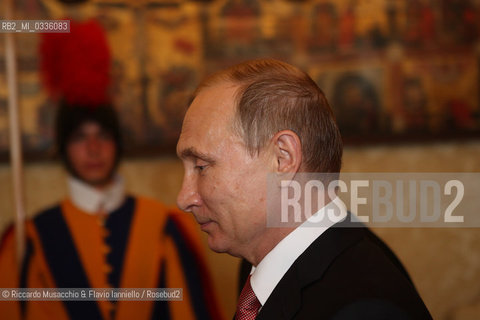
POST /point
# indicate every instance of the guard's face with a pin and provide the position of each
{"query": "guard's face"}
(91, 152)
(223, 186)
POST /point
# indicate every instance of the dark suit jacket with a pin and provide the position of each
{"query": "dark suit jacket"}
(346, 273)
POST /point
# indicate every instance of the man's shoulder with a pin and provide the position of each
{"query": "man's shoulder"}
(360, 241)
(354, 244)
(365, 263)
(363, 274)
(358, 259)
(346, 269)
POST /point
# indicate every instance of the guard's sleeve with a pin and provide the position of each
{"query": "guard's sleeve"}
(185, 267)
(32, 273)
(9, 274)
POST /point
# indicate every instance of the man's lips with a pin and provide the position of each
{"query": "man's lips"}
(203, 220)
(204, 225)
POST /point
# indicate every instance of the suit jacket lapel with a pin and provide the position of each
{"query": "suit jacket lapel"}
(286, 298)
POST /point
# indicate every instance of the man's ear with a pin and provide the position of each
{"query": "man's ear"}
(288, 152)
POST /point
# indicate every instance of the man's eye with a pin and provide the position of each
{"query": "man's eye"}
(200, 165)
(200, 168)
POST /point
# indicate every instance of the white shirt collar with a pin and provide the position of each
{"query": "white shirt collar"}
(92, 200)
(276, 263)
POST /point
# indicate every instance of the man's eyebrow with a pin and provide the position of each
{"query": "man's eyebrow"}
(194, 153)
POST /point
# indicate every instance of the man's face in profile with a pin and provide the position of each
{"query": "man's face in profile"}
(224, 186)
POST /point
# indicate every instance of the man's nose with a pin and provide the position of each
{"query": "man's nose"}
(188, 197)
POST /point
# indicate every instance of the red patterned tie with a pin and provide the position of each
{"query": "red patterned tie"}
(248, 303)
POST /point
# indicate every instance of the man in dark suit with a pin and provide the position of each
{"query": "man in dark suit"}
(249, 129)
